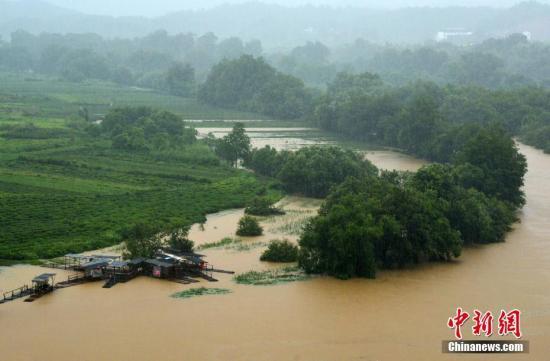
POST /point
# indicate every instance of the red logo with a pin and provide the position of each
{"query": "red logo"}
(458, 321)
(508, 323)
(483, 323)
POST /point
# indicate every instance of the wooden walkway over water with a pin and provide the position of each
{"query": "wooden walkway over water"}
(182, 268)
(16, 294)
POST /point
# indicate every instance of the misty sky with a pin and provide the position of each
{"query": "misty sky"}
(160, 7)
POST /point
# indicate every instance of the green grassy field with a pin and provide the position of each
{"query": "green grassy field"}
(36, 96)
(67, 192)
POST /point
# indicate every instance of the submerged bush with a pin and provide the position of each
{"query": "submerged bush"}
(224, 242)
(280, 251)
(262, 207)
(249, 227)
(268, 278)
(202, 291)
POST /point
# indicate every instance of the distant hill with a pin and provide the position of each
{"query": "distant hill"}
(12, 10)
(280, 26)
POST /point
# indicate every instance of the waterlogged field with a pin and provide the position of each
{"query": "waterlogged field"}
(277, 135)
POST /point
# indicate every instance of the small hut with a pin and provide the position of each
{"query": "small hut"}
(95, 269)
(43, 284)
(161, 268)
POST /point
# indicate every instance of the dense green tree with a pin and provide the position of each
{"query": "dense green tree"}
(421, 122)
(131, 138)
(251, 84)
(399, 219)
(313, 171)
(501, 164)
(266, 161)
(478, 68)
(234, 146)
(370, 223)
(141, 240)
(280, 251)
(180, 80)
(262, 207)
(311, 52)
(143, 128)
(249, 227)
(179, 240)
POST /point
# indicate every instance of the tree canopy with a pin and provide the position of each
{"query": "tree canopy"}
(376, 221)
(310, 171)
(143, 129)
(250, 84)
(234, 146)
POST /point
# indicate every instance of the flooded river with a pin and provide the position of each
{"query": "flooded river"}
(399, 316)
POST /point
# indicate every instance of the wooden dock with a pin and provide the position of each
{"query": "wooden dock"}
(13, 295)
(72, 280)
(183, 268)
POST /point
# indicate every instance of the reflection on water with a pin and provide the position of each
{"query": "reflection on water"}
(400, 316)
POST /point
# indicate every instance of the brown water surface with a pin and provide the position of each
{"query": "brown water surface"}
(399, 316)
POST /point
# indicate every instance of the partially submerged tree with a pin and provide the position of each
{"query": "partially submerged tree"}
(262, 207)
(280, 251)
(249, 227)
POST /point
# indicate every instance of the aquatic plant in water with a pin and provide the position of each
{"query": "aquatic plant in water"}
(232, 244)
(221, 243)
(273, 277)
(202, 291)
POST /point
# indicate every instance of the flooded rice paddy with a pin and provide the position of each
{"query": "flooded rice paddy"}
(399, 316)
(278, 138)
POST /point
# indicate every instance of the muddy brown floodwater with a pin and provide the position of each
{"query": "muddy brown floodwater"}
(399, 316)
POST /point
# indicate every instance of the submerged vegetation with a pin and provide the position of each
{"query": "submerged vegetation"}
(202, 291)
(221, 243)
(263, 207)
(282, 251)
(249, 227)
(232, 244)
(269, 278)
(395, 220)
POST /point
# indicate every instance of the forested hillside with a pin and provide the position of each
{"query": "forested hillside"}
(269, 22)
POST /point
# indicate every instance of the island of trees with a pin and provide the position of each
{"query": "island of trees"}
(374, 219)
(395, 220)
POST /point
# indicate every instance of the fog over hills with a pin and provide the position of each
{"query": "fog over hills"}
(270, 22)
(162, 7)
